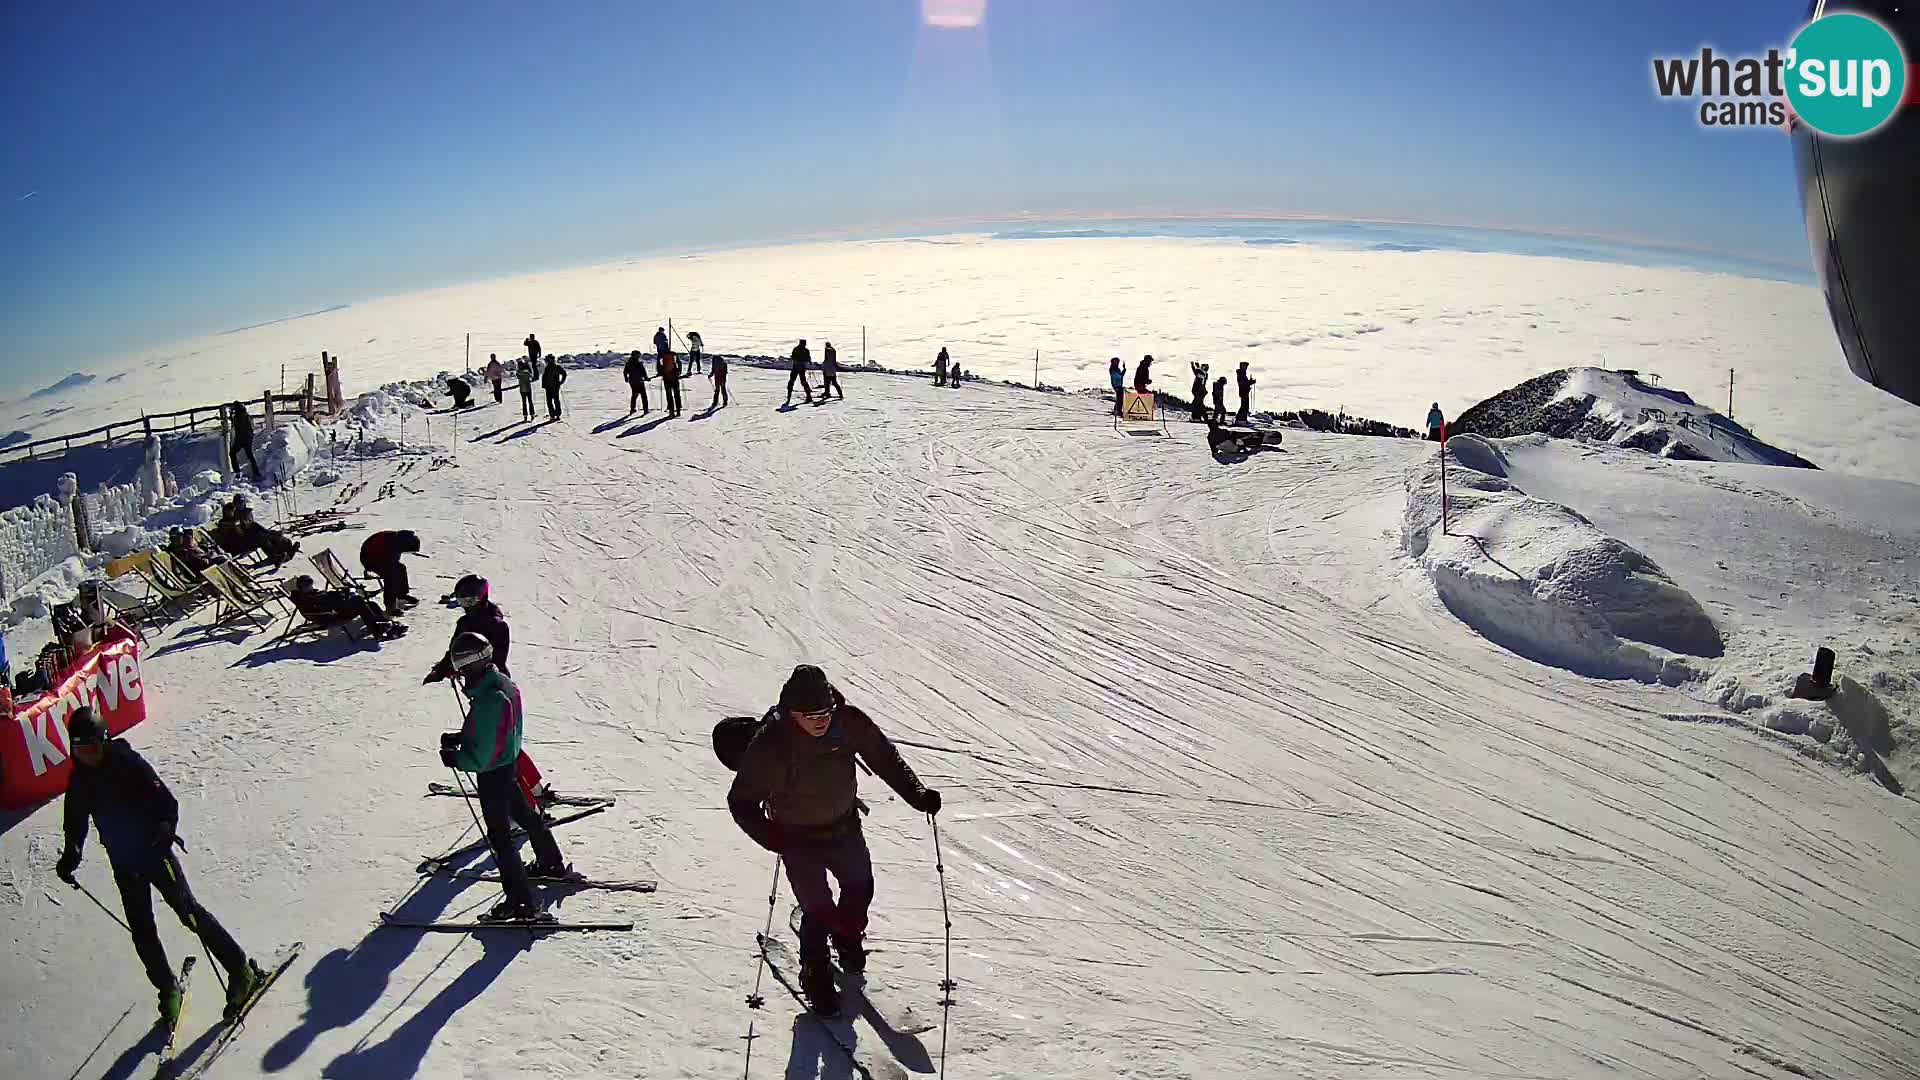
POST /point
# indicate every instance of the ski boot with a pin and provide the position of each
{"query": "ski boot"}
(172, 1000)
(241, 986)
(851, 953)
(559, 872)
(510, 911)
(816, 985)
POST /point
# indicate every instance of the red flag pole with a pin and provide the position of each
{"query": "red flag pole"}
(1443, 478)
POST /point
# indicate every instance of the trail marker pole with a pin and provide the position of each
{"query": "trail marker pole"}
(1036, 369)
(1443, 478)
(1729, 393)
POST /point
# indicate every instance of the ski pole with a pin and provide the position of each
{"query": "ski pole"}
(103, 907)
(754, 1000)
(947, 984)
(458, 780)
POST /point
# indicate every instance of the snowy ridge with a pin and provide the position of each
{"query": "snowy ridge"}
(1618, 407)
(1541, 580)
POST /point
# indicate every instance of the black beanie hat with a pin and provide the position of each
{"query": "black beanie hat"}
(84, 727)
(807, 690)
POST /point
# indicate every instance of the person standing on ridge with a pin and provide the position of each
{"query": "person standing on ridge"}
(1143, 375)
(797, 371)
(796, 795)
(1436, 423)
(940, 367)
(380, 556)
(533, 347)
(670, 381)
(1199, 391)
(496, 375)
(660, 343)
(1117, 375)
(113, 787)
(242, 439)
(635, 374)
(830, 373)
(694, 348)
(488, 746)
(719, 376)
(1246, 382)
(524, 369)
(552, 379)
(1220, 400)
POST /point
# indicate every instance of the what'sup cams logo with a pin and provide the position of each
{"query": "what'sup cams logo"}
(1844, 75)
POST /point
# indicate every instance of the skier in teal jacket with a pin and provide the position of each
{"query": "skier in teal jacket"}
(487, 745)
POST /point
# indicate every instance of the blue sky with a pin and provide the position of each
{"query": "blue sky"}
(197, 167)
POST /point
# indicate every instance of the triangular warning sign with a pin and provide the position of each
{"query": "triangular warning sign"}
(1139, 407)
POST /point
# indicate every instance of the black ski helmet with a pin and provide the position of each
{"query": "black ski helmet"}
(468, 650)
(470, 590)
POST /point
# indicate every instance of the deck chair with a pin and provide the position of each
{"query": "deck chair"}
(336, 573)
(134, 610)
(233, 599)
(300, 624)
(171, 581)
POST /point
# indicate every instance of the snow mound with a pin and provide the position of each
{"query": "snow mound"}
(288, 451)
(1619, 408)
(1543, 581)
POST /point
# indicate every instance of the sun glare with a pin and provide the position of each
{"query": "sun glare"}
(953, 14)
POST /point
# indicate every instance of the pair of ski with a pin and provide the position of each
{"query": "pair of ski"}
(443, 865)
(893, 1023)
(441, 788)
(169, 1065)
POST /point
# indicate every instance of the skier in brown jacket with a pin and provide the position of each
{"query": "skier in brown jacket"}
(795, 794)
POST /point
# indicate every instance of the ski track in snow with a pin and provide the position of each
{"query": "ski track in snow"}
(1228, 792)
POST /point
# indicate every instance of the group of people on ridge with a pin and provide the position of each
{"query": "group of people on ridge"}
(1143, 381)
(671, 375)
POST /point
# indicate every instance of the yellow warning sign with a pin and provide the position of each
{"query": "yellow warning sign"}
(1137, 407)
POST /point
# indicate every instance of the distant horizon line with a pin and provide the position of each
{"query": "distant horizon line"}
(909, 228)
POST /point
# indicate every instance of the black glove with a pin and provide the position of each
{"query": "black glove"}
(450, 749)
(69, 862)
(928, 802)
(163, 837)
(434, 676)
(450, 740)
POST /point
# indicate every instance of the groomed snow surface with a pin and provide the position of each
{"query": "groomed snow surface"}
(1230, 790)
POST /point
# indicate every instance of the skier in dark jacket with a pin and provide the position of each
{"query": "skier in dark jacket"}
(552, 379)
(830, 373)
(636, 375)
(1220, 400)
(1246, 382)
(242, 439)
(1143, 375)
(940, 363)
(380, 556)
(526, 372)
(660, 342)
(533, 348)
(1199, 392)
(670, 381)
(113, 787)
(796, 794)
(479, 615)
(797, 371)
(488, 745)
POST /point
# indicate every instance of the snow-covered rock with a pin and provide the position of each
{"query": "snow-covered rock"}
(1537, 578)
(1619, 407)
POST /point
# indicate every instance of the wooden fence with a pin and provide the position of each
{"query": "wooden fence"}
(264, 410)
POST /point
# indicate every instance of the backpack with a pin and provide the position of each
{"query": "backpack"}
(731, 737)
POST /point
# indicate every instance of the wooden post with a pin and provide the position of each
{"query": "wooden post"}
(267, 400)
(306, 405)
(469, 352)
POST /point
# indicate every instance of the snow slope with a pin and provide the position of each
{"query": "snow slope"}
(1229, 793)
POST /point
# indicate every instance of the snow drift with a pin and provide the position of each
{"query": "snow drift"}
(1543, 581)
(1619, 408)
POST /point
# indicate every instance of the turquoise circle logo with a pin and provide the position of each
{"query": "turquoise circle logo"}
(1847, 74)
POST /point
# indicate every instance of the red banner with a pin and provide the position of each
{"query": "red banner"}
(34, 761)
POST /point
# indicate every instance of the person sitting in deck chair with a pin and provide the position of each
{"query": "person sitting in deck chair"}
(238, 533)
(185, 548)
(329, 607)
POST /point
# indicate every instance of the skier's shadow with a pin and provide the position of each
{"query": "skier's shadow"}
(345, 984)
(642, 429)
(129, 1062)
(400, 1054)
(611, 424)
(524, 432)
(814, 1053)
